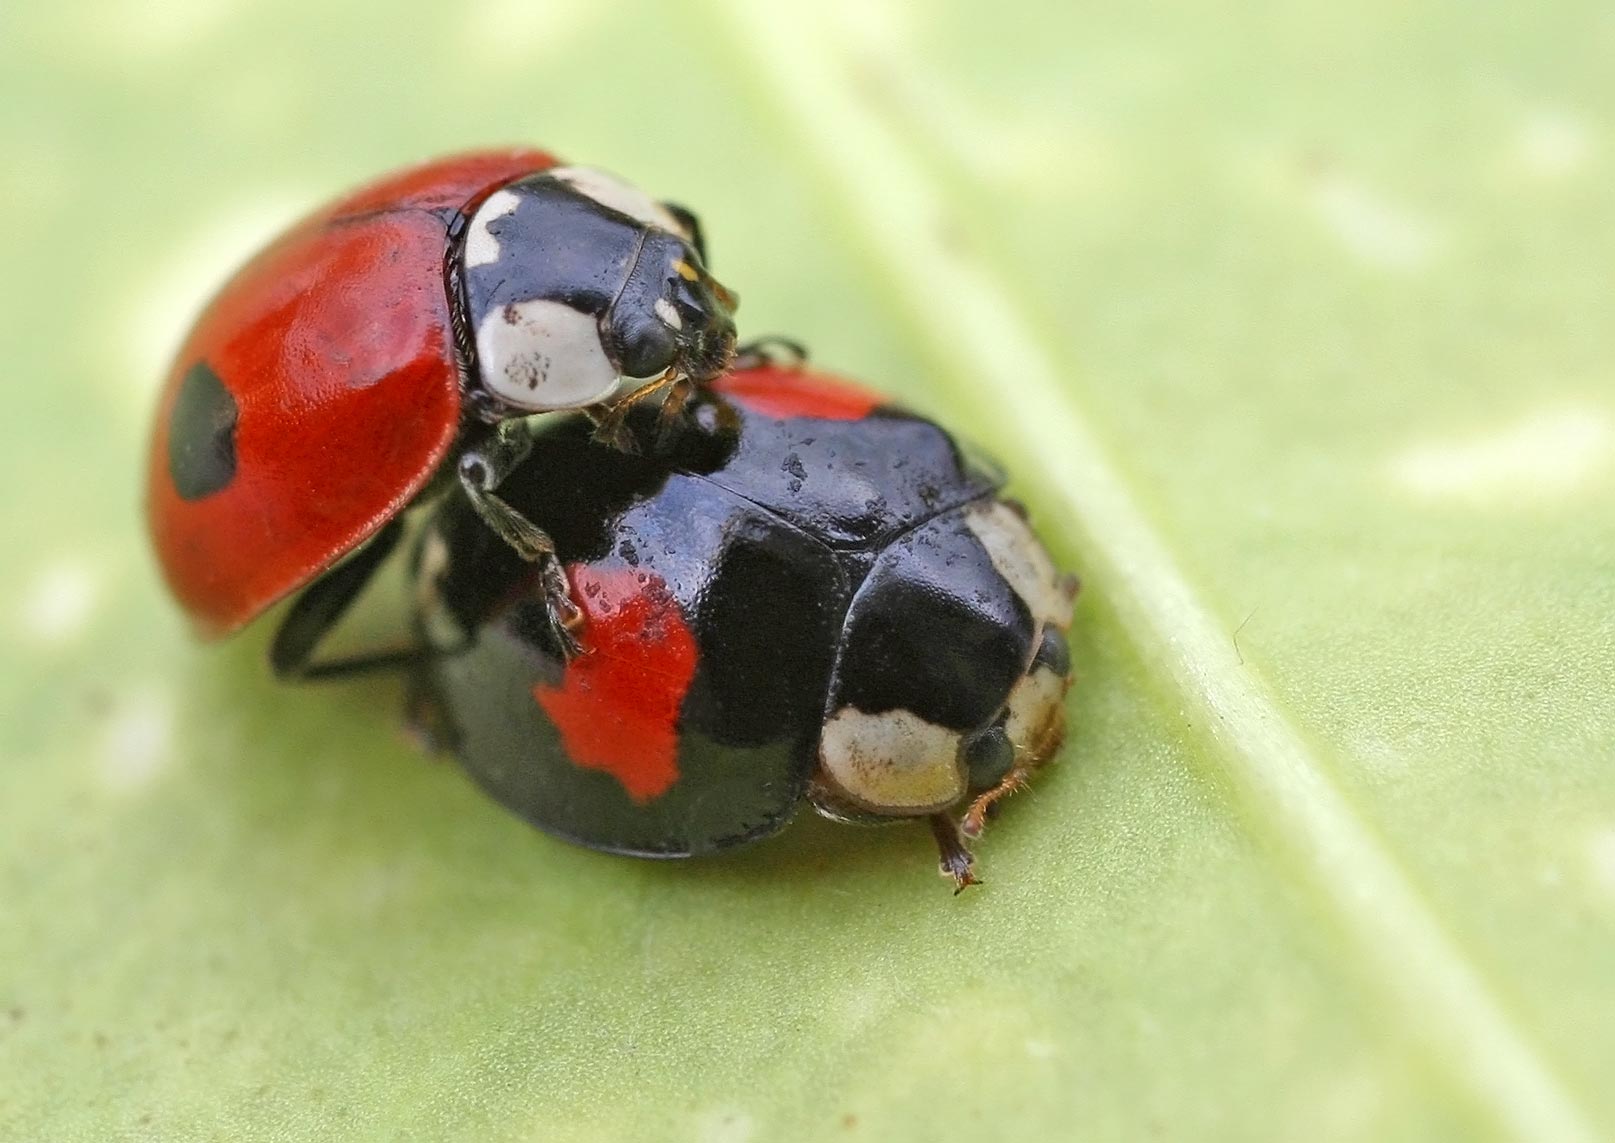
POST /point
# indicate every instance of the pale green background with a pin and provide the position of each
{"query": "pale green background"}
(1292, 320)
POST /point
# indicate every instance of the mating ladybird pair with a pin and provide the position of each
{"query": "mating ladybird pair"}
(652, 628)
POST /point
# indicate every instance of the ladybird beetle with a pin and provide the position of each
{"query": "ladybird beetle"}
(393, 340)
(822, 598)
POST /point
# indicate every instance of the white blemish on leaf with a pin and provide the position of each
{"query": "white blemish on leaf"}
(168, 303)
(139, 740)
(1601, 858)
(1553, 144)
(1545, 455)
(725, 1126)
(56, 606)
(141, 31)
(519, 33)
(1040, 1049)
(1370, 226)
(1021, 147)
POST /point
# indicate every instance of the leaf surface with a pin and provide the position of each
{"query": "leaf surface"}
(1293, 329)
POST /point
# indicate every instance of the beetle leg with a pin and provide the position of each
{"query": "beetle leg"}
(321, 606)
(610, 420)
(985, 805)
(956, 860)
(482, 469)
(609, 427)
(673, 407)
(771, 349)
(426, 719)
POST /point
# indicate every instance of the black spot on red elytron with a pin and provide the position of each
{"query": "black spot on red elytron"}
(202, 435)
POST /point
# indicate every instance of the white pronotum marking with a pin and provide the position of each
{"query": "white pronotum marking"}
(892, 762)
(668, 313)
(542, 355)
(481, 247)
(1549, 453)
(610, 191)
(57, 605)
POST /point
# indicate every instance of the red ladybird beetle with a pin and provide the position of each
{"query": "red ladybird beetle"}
(826, 600)
(394, 339)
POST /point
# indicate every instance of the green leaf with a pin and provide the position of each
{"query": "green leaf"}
(1293, 326)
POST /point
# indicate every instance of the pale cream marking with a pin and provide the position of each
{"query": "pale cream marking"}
(1547, 454)
(481, 247)
(1373, 228)
(138, 742)
(610, 191)
(1022, 560)
(892, 762)
(57, 605)
(541, 355)
(1032, 702)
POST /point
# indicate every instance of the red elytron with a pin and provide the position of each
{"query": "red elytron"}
(406, 332)
(783, 394)
(331, 355)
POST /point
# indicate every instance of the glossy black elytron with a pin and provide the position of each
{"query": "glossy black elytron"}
(819, 598)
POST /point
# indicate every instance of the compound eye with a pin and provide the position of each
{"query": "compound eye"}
(988, 757)
(647, 347)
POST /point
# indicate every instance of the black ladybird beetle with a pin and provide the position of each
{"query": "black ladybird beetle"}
(816, 597)
(394, 340)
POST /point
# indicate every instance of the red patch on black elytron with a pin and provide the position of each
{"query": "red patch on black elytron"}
(773, 392)
(617, 707)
